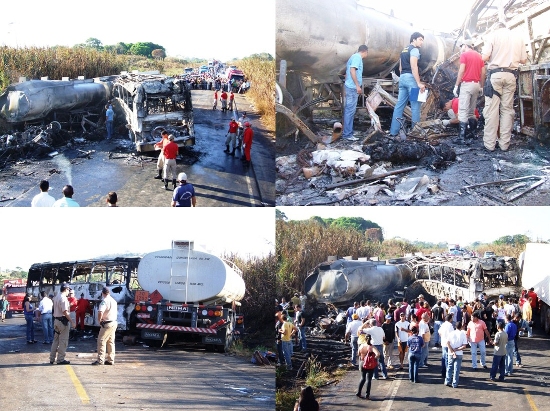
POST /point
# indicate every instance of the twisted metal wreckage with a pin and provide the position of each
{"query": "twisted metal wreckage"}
(312, 58)
(41, 111)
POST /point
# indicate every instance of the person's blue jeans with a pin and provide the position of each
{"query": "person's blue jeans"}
(425, 353)
(287, 352)
(444, 354)
(280, 352)
(30, 327)
(498, 364)
(406, 84)
(453, 369)
(414, 360)
(516, 352)
(350, 105)
(437, 337)
(303, 342)
(381, 362)
(354, 349)
(474, 346)
(509, 356)
(47, 327)
(109, 125)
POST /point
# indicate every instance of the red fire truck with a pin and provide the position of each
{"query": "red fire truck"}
(14, 290)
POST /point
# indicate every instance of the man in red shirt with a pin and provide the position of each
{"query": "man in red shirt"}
(73, 302)
(247, 142)
(170, 152)
(471, 76)
(231, 98)
(215, 100)
(81, 309)
(160, 146)
(224, 101)
(231, 137)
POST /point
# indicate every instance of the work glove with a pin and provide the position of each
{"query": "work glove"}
(455, 91)
(446, 122)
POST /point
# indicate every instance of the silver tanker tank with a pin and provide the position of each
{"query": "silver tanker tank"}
(345, 280)
(190, 277)
(317, 37)
(37, 99)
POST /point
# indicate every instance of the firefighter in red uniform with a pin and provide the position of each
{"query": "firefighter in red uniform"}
(81, 310)
(231, 99)
(170, 152)
(215, 100)
(224, 101)
(160, 146)
(73, 302)
(231, 137)
(247, 142)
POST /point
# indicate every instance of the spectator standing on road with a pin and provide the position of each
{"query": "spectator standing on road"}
(307, 401)
(352, 329)
(366, 373)
(424, 332)
(475, 332)
(81, 310)
(300, 323)
(389, 338)
(402, 333)
(107, 318)
(109, 118)
(61, 326)
(287, 331)
(415, 344)
(73, 302)
(160, 146)
(170, 154)
(408, 80)
(112, 198)
(528, 316)
(499, 355)
(43, 199)
(353, 87)
(247, 142)
(46, 317)
(511, 329)
(438, 315)
(456, 342)
(67, 200)
(184, 195)
(444, 331)
(28, 310)
(377, 334)
(3, 307)
(504, 51)
(470, 78)
(231, 137)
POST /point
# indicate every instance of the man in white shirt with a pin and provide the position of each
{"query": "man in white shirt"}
(43, 199)
(351, 330)
(444, 331)
(377, 339)
(424, 332)
(456, 343)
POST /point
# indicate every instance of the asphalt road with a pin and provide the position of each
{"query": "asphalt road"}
(220, 180)
(142, 378)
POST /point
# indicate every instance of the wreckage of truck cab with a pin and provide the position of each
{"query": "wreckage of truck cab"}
(144, 102)
(344, 281)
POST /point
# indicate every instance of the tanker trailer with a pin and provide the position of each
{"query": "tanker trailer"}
(188, 295)
(344, 281)
(45, 100)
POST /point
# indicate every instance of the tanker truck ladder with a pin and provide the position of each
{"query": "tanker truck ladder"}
(179, 270)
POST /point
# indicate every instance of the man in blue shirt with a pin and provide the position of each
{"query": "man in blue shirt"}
(67, 200)
(511, 329)
(184, 194)
(353, 86)
(109, 116)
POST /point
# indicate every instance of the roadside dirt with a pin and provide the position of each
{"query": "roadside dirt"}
(431, 183)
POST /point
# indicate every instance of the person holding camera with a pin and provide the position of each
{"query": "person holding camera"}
(106, 316)
(62, 319)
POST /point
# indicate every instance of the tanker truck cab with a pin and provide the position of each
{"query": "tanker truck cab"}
(188, 296)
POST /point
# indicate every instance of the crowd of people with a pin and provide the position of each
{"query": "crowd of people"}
(214, 79)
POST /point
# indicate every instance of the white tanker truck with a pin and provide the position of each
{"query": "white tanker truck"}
(174, 295)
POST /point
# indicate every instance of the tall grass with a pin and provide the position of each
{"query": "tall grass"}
(261, 74)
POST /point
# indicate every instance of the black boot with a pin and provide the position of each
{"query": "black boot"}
(159, 176)
(462, 130)
(226, 149)
(165, 183)
(174, 183)
(472, 127)
(233, 152)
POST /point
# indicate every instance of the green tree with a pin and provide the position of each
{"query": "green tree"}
(93, 43)
(356, 223)
(280, 215)
(514, 240)
(144, 49)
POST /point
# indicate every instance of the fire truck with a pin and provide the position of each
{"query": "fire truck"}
(14, 290)
(169, 296)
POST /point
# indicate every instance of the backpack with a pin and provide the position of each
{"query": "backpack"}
(370, 362)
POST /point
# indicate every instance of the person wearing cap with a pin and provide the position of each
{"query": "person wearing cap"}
(43, 199)
(352, 329)
(109, 117)
(184, 195)
(247, 142)
(61, 325)
(503, 51)
(67, 200)
(470, 79)
(107, 318)
(231, 137)
(73, 302)
(46, 317)
(160, 147)
(389, 337)
(170, 154)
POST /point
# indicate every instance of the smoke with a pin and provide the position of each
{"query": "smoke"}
(64, 164)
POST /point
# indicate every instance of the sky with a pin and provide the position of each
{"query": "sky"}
(219, 29)
(37, 235)
(455, 225)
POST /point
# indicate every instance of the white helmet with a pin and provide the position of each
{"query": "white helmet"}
(182, 177)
